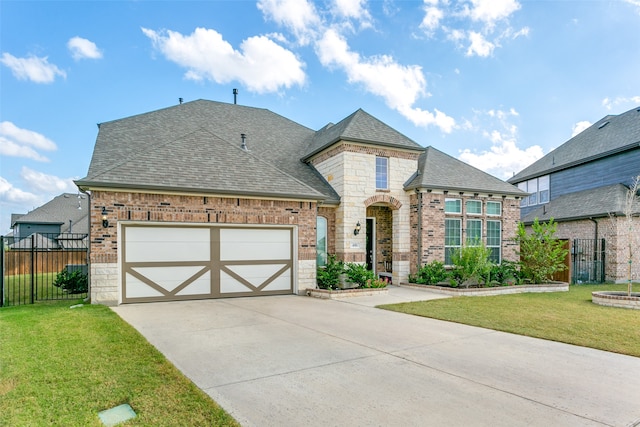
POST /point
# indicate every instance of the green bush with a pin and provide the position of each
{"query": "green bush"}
(430, 274)
(541, 254)
(328, 277)
(75, 282)
(358, 273)
(470, 263)
(376, 283)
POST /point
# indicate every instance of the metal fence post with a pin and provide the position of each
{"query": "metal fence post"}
(33, 245)
(2, 272)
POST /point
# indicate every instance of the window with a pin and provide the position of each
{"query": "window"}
(539, 189)
(474, 232)
(321, 241)
(452, 238)
(532, 187)
(382, 173)
(494, 240)
(494, 208)
(523, 186)
(543, 189)
(453, 206)
(474, 207)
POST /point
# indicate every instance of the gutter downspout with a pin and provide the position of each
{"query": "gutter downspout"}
(88, 298)
(419, 196)
(595, 250)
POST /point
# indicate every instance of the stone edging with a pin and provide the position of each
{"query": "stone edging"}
(345, 293)
(615, 299)
(499, 290)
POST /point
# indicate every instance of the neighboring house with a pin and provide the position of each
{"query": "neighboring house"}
(61, 223)
(582, 185)
(207, 199)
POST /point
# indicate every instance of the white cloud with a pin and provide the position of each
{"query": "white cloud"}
(44, 183)
(260, 64)
(18, 142)
(489, 12)
(82, 48)
(433, 15)
(9, 193)
(479, 45)
(33, 68)
(299, 16)
(609, 104)
(579, 127)
(504, 157)
(353, 9)
(399, 85)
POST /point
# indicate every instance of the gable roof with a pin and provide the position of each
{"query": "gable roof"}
(437, 170)
(610, 135)
(195, 146)
(60, 210)
(592, 203)
(359, 127)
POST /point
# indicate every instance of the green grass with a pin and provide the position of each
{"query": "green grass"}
(61, 366)
(568, 317)
(17, 289)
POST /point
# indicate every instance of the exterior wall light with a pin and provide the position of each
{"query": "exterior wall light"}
(356, 230)
(105, 221)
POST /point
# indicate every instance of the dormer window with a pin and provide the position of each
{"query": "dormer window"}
(382, 173)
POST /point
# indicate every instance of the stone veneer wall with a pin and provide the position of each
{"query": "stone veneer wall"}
(350, 169)
(433, 217)
(124, 206)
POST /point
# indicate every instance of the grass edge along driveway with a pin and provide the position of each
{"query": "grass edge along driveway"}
(568, 317)
(61, 366)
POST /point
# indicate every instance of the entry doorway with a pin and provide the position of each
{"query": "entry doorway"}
(371, 245)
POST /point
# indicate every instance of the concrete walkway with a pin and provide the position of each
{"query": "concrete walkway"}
(300, 361)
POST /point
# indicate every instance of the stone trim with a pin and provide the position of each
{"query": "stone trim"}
(383, 198)
(363, 149)
(346, 293)
(499, 290)
(617, 299)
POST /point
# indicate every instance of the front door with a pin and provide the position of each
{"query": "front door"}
(371, 246)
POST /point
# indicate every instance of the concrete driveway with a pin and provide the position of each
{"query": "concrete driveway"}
(300, 361)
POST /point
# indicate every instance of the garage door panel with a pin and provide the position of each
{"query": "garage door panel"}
(172, 262)
(170, 244)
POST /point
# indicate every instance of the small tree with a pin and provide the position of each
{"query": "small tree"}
(470, 262)
(541, 254)
(631, 205)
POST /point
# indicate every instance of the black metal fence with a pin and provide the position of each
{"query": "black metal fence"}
(588, 261)
(43, 267)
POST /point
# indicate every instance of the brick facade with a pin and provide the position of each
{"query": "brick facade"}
(123, 206)
(427, 229)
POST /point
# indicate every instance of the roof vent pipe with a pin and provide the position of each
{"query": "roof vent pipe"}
(244, 142)
(235, 96)
(180, 100)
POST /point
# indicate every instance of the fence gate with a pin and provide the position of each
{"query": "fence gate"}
(588, 260)
(43, 267)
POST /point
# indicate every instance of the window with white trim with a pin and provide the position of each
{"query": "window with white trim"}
(494, 240)
(543, 189)
(452, 238)
(382, 173)
(321, 241)
(453, 206)
(494, 208)
(532, 187)
(473, 207)
(474, 232)
(539, 189)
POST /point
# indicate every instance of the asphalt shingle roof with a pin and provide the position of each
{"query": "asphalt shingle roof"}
(592, 203)
(360, 127)
(60, 210)
(609, 135)
(196, 146)
(437, 170)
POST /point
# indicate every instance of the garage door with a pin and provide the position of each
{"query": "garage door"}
(177, 262)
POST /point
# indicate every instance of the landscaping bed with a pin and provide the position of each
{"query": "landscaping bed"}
(496, 290)
(617, 299)
(346, 293)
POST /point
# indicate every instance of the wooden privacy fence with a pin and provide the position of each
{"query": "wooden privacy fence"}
(43, 267)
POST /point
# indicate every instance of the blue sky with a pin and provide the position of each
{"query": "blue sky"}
(496, 83)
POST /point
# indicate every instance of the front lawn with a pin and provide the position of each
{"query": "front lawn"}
(568, 317)
(61, 366)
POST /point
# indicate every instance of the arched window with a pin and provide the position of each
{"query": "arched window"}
(321, 241)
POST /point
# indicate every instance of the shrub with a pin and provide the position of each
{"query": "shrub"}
(470, 263)
(507, 273)
(358, 273)
(541, 254)
(376, 283)
(430, 274)
(75, 282)
(328, 277)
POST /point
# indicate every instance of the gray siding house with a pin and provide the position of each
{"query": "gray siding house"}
(582, 185)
